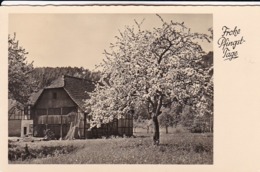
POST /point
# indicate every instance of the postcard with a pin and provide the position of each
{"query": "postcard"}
(172, 88)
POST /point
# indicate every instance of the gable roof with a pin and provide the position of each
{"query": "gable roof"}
(77, 88)
(34, 97)
(14, 104)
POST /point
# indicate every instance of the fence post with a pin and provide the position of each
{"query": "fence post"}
(47, 119)
(35, 121)
(85, 118)
(61, 124)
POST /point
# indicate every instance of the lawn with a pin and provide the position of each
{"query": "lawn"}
(175, 148)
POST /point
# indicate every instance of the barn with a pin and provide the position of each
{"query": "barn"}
(60, 109)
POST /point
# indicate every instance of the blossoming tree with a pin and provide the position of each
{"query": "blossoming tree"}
(151, 67)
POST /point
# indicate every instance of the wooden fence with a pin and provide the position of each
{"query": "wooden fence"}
(118, 127)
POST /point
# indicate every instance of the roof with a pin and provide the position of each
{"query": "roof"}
(12, 104)
(77, 88)
(34, 97)
(58, 83)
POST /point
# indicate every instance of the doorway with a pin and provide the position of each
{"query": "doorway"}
(24, 130)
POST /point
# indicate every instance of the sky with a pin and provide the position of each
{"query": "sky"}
(79, 40)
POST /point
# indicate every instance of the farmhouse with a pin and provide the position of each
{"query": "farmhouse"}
(60, 108)
(19, 123)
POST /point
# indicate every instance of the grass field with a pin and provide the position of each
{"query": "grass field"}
(175, 148)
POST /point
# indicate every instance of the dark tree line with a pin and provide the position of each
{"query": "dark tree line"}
(45, 75)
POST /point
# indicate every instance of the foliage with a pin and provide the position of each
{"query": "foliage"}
(143, 124)
(19, 84)
(138, 122)
(49, 135)
(151, 67)
(17, 150)
(170, 116)
(45, 75)
(204, 108)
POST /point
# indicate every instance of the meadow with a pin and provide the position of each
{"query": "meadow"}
(176, 147)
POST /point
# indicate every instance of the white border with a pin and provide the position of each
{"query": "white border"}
(163, 3)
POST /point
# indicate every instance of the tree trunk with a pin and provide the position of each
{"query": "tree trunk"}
(166, 128)
(157, 104)
(156, 134)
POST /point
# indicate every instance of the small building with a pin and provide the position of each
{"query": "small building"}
(60, 108)
(19, 123)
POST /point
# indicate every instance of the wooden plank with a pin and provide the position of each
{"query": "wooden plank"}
(61, 125)
(85, 117)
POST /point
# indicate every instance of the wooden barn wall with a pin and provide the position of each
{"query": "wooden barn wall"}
(14, 128)
(55, 128)
(60, 122)
(48, 107)
(46, 100)
(121, 127)
(125, 126)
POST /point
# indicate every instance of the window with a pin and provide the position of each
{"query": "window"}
(54, 95)
(24, 130)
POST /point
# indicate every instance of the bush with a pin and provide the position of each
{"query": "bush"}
(19, 153)
(49, 135)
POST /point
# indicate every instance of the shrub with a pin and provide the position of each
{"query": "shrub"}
(20, 153)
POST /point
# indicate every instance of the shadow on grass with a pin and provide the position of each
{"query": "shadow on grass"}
(142, 136)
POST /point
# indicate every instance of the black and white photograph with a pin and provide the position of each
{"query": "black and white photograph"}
(122, 88)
